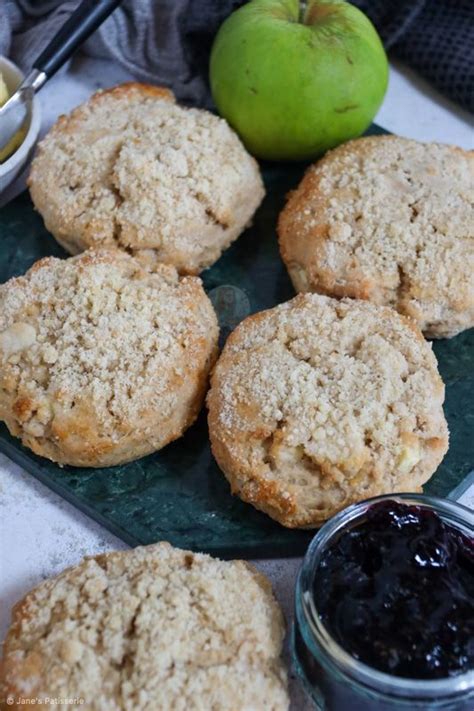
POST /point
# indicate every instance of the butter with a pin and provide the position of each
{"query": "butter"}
(17, 139)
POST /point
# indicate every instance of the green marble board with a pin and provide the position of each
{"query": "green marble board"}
(179, 494)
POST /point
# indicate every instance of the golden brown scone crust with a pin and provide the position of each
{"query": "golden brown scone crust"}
(318, 403)
(152, 629)
(390, 220)
(131, 169)
(102, 361)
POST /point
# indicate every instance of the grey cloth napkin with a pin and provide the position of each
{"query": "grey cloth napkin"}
(161, 41)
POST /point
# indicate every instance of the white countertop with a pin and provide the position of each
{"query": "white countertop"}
(40, 534)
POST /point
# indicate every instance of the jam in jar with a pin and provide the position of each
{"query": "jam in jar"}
(385, 607)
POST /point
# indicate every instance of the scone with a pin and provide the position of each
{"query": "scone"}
(101, 361)
(390, 220)
(152, 629)
(318, 403)
(132, 169)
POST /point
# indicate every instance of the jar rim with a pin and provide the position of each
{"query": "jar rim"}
(459, 516)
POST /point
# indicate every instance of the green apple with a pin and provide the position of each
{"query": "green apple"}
(296, 78)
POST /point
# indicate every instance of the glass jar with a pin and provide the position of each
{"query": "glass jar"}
(334, 679)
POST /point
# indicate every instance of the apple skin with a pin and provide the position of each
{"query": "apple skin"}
(294, 79)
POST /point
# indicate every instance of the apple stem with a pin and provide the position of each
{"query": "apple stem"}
(303, 8)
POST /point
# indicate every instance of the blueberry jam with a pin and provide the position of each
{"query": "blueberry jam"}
(396, 591)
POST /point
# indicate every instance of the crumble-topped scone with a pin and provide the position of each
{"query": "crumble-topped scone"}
(155, 628)
(132, 169)
(102, 361)
(318, 403)
(390, 220)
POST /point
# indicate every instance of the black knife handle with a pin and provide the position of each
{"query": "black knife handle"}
(83, 22)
